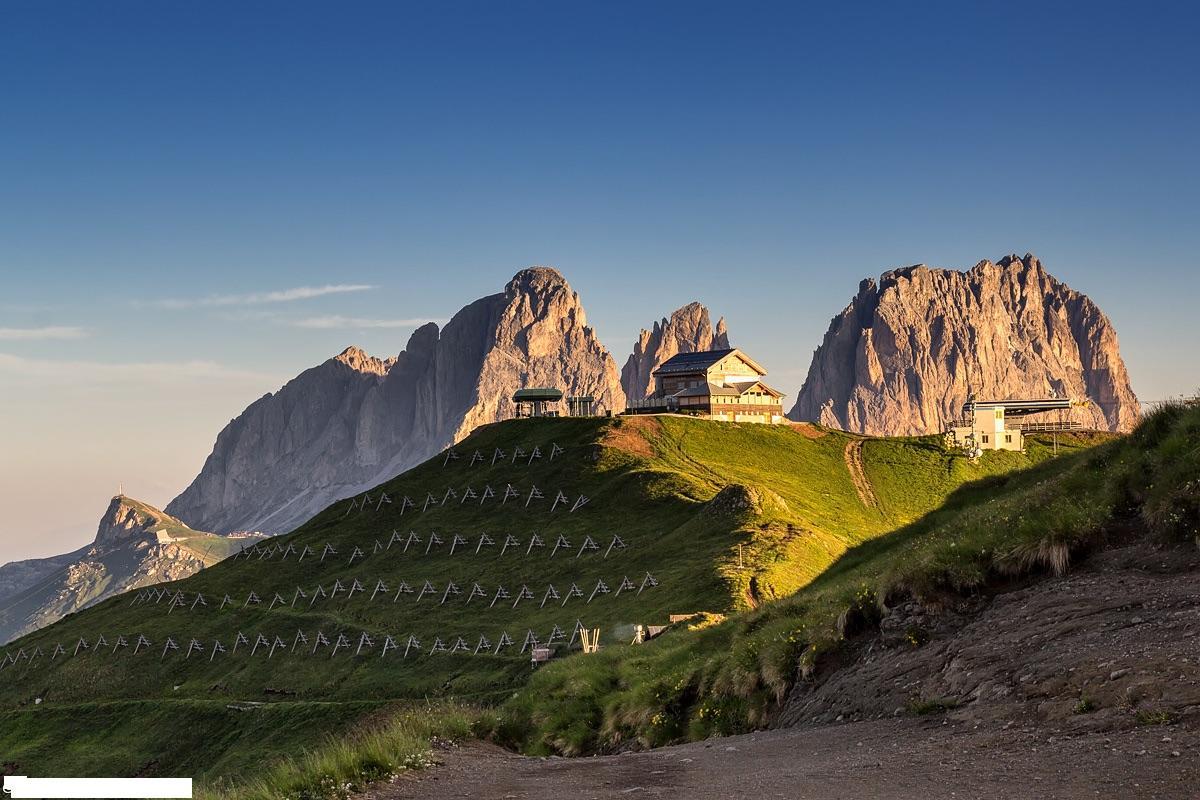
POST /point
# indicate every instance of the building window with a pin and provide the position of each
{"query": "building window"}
(1008, 437)
(985, 438)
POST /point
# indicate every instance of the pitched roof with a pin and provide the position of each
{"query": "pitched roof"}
(716, 390)
(687, 362)
(768, 389)
(703, 359)
(706, 390)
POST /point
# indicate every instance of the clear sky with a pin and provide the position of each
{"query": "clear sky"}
(171, 171)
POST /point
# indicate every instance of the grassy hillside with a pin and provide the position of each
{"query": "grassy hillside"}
(723, 517)
(728, 678)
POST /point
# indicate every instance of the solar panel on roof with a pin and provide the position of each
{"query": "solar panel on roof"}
(702, 358)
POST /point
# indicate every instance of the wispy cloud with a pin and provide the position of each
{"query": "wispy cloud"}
(127, 371)
(335, 321)
(48, 332)
(264, 298)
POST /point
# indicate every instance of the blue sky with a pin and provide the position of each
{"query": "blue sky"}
(167, 166)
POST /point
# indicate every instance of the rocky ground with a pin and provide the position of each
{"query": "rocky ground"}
(1086, 685)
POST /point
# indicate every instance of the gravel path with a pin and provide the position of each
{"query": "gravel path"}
(921, 759)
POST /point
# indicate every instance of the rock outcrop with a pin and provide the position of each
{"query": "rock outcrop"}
(687, 330)
(136, 545)
(907, 352)
(356, 421)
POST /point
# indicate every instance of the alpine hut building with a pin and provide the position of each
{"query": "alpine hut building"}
(725, 385)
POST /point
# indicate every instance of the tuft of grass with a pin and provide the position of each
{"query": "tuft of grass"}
(1155, 717)
(341, 767)
(1085, 705)
(920, 707)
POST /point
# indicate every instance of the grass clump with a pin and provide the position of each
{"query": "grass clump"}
(1085, 705)
(1156, 716)
(920, 707)
(341, 767)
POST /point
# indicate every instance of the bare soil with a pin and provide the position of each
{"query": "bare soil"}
(1082, 686)
(921, 759)
(858, 474)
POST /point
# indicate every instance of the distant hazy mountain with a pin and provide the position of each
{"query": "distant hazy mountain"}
(907, 352)
(136, 545)
(16, 576)
(355, 420)
(687, 330)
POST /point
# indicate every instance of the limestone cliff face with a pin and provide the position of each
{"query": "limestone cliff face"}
(907, 352)
(136, 545)
(263, 459)
(687, 330)
(355, 421)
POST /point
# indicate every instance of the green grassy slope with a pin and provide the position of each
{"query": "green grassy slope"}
(683, 494)
(730, 677)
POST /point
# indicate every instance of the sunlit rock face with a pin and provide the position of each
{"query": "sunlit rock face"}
(908, 351)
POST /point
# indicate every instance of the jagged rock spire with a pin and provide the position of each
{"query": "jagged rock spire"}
(687, 330)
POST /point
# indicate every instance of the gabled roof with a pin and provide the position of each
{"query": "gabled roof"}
(703, 359)
(716, 390)
(706, 390)
(762, 386)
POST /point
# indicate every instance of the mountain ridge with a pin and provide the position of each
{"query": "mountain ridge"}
(910, 349)
(356, 420)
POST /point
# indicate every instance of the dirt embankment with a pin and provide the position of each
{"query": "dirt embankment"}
(1113, 644)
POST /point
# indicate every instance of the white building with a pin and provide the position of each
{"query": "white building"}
(1000, 425)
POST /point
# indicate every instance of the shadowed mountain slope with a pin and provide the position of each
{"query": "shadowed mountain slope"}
(355, 420)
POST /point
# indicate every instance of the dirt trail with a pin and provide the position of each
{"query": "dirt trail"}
(904, 759)
(858, 474)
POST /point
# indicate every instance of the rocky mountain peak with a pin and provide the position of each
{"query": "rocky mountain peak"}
(536, 280)
(359, 360)
(127, 520)
(908, 350)
(329, 433)
(687, 330)
(136, 545)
